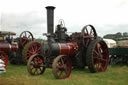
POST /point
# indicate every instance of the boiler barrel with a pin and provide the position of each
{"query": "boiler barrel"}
(55, 49)
(5, 46)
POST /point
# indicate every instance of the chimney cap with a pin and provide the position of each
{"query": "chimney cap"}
(50, 7)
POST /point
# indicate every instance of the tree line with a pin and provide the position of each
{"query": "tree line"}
(117, 36)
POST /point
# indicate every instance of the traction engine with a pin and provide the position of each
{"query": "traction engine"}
(62, 52)
(11, 49)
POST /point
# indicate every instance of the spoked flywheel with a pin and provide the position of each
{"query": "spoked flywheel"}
(30, 49)
(97, 56)
(35, 65)
(61, 67)
(4, 57)
(88, 33)
(25, 37)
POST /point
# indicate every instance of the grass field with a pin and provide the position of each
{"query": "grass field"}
(18, 75)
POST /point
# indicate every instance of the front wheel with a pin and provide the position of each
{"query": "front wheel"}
(35, 65)
(97, 56)
(61, 67)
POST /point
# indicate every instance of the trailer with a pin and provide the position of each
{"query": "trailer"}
(119, 54)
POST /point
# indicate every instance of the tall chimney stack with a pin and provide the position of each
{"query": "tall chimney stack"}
(50, 19)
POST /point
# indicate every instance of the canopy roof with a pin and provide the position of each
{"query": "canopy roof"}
(109, 40)
(7, 33)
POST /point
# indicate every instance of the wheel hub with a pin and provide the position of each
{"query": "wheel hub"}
(62, 67)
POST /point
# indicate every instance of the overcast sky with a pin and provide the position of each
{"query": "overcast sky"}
(108, 16)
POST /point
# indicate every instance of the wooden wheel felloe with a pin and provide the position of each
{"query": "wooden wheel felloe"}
(61, 67)
(35, 65)
(97, 56)
(25, 37)
(4, 57)
(30, 49)
(88, 33)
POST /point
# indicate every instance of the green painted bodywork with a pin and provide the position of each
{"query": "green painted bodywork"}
(118, 51)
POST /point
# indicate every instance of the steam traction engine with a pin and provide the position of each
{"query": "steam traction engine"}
(62, 52)
(11, 49)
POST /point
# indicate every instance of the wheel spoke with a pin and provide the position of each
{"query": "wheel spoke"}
(60, 75)
(32, 67)
(59, 66)
(38, 52)
(87, 31)
(30, 52)
(41, 65)
(34, 61)
(99, 51)
(32, 48)
(87, 42)
(25, 34)
(29, 37)
(35, 48)
(91, 31)
(32, 64)
(96, 53)
(98, 66)
(40, 69)
(38, 49)
(101, 68)
(104, 60)
(23, 42)
(35, 70)
(62, 61)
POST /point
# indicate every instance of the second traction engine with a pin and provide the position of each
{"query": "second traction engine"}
(62, 52)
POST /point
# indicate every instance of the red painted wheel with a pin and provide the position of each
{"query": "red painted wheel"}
(61, 67)
(4, 57)
(25, 37)
(88, 33)
(35, 65)
(30, 49)
(97, 56)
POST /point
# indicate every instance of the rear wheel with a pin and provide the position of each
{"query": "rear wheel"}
(61, 67)
(26, 37)
(30, 49)
(35, 65)
(88, 33)
(97, 56)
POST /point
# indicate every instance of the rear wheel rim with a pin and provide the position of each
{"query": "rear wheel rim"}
(61, 67)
